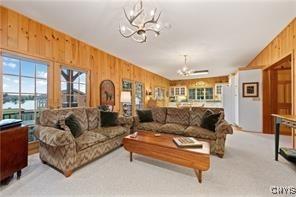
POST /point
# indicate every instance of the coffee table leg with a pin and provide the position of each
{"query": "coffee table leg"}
(198, 174)
(131, 156)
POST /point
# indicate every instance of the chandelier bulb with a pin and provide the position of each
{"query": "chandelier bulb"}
(152, 13)
(132, 13)
(122, 29)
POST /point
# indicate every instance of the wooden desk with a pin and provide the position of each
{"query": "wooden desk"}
(13, 151)
(288, 120)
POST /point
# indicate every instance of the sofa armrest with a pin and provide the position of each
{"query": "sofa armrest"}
(125, 121)
(223, 128)
(52, 136)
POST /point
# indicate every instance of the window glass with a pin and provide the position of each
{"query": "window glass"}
(209, 93)
(11, 66)
(192, 93)
(73, 88)
(28, 69)
(24, 90)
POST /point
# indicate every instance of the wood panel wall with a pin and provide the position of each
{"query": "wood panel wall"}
(23, 36)
(208, 82)
(282, 46)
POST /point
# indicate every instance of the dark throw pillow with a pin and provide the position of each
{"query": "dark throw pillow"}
(209, 120)
(73, 124)
(145, 115)
(109, 119)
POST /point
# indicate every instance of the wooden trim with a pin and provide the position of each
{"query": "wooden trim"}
(251, 68)
(33, 147)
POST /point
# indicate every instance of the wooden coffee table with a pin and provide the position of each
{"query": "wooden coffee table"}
(163, 148)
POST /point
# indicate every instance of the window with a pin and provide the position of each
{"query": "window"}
(209, 93)
(201, 94)
(219, 89)
(24, 90)
(192, 94)
(139, 95)
(73, 88)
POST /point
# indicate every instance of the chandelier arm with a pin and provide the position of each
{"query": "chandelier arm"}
(153, 20)
(127, 36)
(140, 40)
(132, 19)
(150, 29)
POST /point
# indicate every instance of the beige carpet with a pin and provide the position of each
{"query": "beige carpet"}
(248, 169)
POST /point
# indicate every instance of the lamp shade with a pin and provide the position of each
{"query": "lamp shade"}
(125, 97)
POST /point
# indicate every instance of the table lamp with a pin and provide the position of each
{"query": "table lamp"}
(125, 98)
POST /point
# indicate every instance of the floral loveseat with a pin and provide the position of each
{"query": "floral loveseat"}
(61, 150)
(186, 122)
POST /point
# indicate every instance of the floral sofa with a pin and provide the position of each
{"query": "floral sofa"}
(61, 150)
(186, 122)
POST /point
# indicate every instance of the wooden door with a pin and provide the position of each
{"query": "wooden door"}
(277, 94)
(284, 101)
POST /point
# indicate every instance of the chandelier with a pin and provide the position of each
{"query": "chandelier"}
(185, 71)
(140, 24)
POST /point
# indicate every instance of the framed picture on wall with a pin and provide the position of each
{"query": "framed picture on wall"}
(251, 89)
(127, 85)
(107, 93)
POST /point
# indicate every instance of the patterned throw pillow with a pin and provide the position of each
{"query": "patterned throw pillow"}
(209, 120)
(109, 119)
(73, 124)
(145, 115)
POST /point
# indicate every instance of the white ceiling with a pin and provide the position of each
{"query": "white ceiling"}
(218, 35)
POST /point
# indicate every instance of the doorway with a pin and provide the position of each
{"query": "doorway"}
(277, 94)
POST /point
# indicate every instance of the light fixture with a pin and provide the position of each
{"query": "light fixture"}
(199, 72)
(185, 71)
(125, 99)
(139, 24)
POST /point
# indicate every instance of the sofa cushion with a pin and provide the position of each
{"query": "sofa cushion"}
(149, 126)
(109, 119)
(145, 115)
(159, 114)
(172, 128)
(199, 132)
(93, 116)
(80, 114)
(178, 116)
(196, 114)
(49, 118)
(72, 123)
(88, 139)
(111, 132)
(209, 121)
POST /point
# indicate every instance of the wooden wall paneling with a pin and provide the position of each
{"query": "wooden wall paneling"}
(84, 53)
(57, 84)
(50, 86)
(68, 50)
(3, 26)
(34, 38)
(94, 90)
(23, 33)
(12, 31)
(46, 42)
(58, 46)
